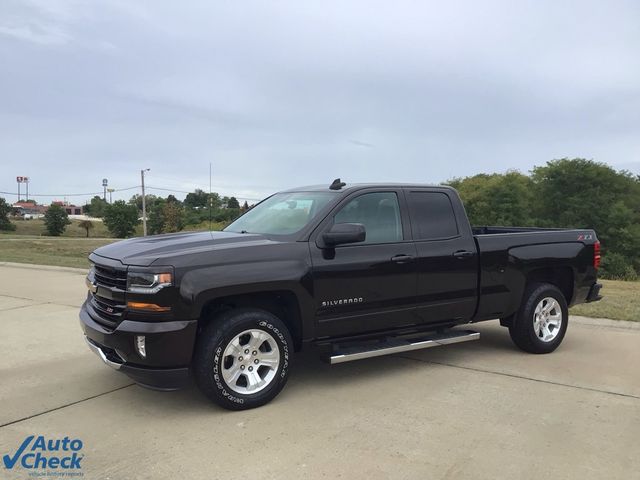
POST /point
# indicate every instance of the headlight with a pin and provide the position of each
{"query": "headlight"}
(139, 282)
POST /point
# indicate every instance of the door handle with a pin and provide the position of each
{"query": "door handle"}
(462, 254)
(402, 259)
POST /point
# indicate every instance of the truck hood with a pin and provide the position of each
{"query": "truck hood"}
(144, 251)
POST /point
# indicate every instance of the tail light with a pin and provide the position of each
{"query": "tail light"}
(596, 255)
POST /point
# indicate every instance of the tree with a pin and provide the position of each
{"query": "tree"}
(96, 207)
(137, 201)
(200, 200)
(233, 203)
(121, 218)
(87, 225)
(166, 216)
(581, 193)
(5, 210)
(245, 206)
(197, 199)
(566, 193)
(498, 199)
(173, 217)
(56, 220)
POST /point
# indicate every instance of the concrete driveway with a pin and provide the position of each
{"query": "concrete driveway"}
(476, 410)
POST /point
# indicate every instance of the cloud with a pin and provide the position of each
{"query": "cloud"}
(292, 93)
(38, 34)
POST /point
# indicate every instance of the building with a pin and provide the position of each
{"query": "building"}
(29, 210)
(70, 209)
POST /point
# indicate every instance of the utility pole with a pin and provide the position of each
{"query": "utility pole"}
(144, 204)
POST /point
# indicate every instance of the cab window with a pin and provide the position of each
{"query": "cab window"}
(379, 212)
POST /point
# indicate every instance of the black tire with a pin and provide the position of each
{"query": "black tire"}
(208, 359)
(522, 329)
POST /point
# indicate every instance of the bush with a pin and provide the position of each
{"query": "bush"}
(5, 210)
(121, 218)
(617, 267)
(56, 220)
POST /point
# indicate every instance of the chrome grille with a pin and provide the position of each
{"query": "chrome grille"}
(110, 277)
(108, 301)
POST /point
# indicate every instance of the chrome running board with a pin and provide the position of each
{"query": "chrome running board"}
(390, 345)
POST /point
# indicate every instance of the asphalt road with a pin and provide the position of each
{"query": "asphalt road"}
(475, 410)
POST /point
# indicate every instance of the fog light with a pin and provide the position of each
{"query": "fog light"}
(140, 346)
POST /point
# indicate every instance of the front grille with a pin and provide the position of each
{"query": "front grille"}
(110, 277)
(109, 309)
(108, 301)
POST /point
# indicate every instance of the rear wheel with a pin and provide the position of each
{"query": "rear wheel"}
(242, 359)
(541, 323)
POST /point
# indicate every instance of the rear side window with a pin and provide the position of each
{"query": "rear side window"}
(432, 216)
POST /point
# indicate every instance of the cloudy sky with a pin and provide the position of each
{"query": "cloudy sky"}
(279, 94)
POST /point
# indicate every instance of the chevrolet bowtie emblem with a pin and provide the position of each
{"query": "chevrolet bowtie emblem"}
(91, 286)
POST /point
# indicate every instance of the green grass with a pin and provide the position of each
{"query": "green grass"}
(63, 252)
(36, 227)
(29, 243)
(621, 301)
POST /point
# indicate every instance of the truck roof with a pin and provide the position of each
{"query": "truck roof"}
(349, 187)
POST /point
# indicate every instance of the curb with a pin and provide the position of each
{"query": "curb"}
(603, 323)
(55, 268)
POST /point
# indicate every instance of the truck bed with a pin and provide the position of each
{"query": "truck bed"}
(511, 256)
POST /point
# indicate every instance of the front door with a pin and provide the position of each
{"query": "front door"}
(370, 285)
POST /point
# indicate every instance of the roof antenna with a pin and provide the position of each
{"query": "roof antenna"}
(337, 184)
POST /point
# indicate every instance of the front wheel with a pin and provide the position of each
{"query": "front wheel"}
(243, 358)
(541, 323)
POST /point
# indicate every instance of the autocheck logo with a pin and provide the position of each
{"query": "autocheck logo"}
(38, 453)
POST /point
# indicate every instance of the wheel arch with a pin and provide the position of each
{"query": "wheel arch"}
(283, 304)
(562, 277)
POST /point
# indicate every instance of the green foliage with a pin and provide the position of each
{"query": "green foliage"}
(56, 220)
(582, 193)
(137, 201)
(615, 266)
(5, 210)
(166, 216)
(233, 203)
(121, 218)
(87, 225)
(567, 193)
(497, 199)
(96, 207)
(200, 200)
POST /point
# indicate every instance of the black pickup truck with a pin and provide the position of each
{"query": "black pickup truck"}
(355, 271)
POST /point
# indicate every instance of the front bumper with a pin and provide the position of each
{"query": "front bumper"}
(169, 347)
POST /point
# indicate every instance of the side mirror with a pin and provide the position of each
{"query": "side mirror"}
(342, 233)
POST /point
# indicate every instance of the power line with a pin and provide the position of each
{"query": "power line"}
(183, 191)
(170, 190)
(70, 194)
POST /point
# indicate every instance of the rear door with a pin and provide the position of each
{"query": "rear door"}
(447, 258)
(370, 285)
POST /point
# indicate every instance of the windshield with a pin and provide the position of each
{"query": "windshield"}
(281, 214)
